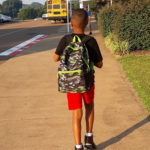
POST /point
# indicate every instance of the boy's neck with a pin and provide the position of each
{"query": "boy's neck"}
(79, 31)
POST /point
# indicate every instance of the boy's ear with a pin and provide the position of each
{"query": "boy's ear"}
(71, 23)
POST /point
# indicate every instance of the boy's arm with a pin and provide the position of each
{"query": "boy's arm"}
(95, 55)
(56, 57)
(89, 15)
(89, 18)
(61, 46)
(99, 64)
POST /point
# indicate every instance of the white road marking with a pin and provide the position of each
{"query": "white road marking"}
(15, 25)
(11, 50)
(22, 29)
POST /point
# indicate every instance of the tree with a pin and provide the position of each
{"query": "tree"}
(9, 6)
(45, 7)
(27, 13)
(91, 4)
(36, 5)
(0, 9)
(24, 5)
(39, 12)
(30, 13)
(76, 5)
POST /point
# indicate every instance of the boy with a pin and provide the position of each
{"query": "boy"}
(89, 19)
(78, 23)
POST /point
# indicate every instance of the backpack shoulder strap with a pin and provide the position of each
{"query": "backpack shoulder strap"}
(86, 38)
(69, 38)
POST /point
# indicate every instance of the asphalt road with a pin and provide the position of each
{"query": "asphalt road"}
(14, 33)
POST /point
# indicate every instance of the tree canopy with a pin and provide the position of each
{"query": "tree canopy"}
(76, 5)
(27, 13)
(10, 7)
(15, 8)
(34, 5)
(30, 13)
(0, 8)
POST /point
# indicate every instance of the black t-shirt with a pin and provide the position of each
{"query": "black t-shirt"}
(93, 50)
(92, 46)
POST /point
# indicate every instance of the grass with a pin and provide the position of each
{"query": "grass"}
(137, 69)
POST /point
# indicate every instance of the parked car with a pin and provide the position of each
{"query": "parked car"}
(38, 18)
(5, 18)
(9, 18)
(44, 16)
(0, 18)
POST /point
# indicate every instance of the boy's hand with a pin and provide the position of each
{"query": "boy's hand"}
(56, 57)
(99, 64)
(89, 18)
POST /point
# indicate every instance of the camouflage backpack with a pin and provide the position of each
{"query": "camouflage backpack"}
(75, 67)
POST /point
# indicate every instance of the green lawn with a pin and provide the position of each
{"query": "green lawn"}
(138, 71)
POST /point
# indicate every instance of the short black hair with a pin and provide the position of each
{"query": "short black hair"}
(80, 15)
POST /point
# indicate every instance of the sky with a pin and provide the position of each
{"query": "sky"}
(28, 1)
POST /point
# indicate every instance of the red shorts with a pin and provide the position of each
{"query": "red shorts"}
(75, 99)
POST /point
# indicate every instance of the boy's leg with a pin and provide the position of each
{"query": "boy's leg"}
(76, 124)
(89, 116)
(89, 107)
(75, 104)
(90, 29)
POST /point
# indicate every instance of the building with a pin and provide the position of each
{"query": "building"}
(84, 3)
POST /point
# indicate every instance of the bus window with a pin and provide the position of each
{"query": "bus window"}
(49, 6)
(56, 6)
(63, 6)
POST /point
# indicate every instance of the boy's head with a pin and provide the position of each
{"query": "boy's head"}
(79, 19)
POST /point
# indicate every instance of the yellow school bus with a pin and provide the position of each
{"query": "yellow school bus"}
(57, 10)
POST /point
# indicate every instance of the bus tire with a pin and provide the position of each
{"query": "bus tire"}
(65, 20)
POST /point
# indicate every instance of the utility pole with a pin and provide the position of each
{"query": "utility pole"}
(13, 12)
(67, 16)
(70, 11)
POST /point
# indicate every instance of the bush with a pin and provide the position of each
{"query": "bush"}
(130, 22)
(106, 18)
(115, 45)
(97, 6)
(133, 24)
(121, 1)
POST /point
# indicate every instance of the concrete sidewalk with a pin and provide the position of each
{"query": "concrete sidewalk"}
(34, 116)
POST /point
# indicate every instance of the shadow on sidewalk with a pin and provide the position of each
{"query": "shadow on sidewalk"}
(116, 139)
